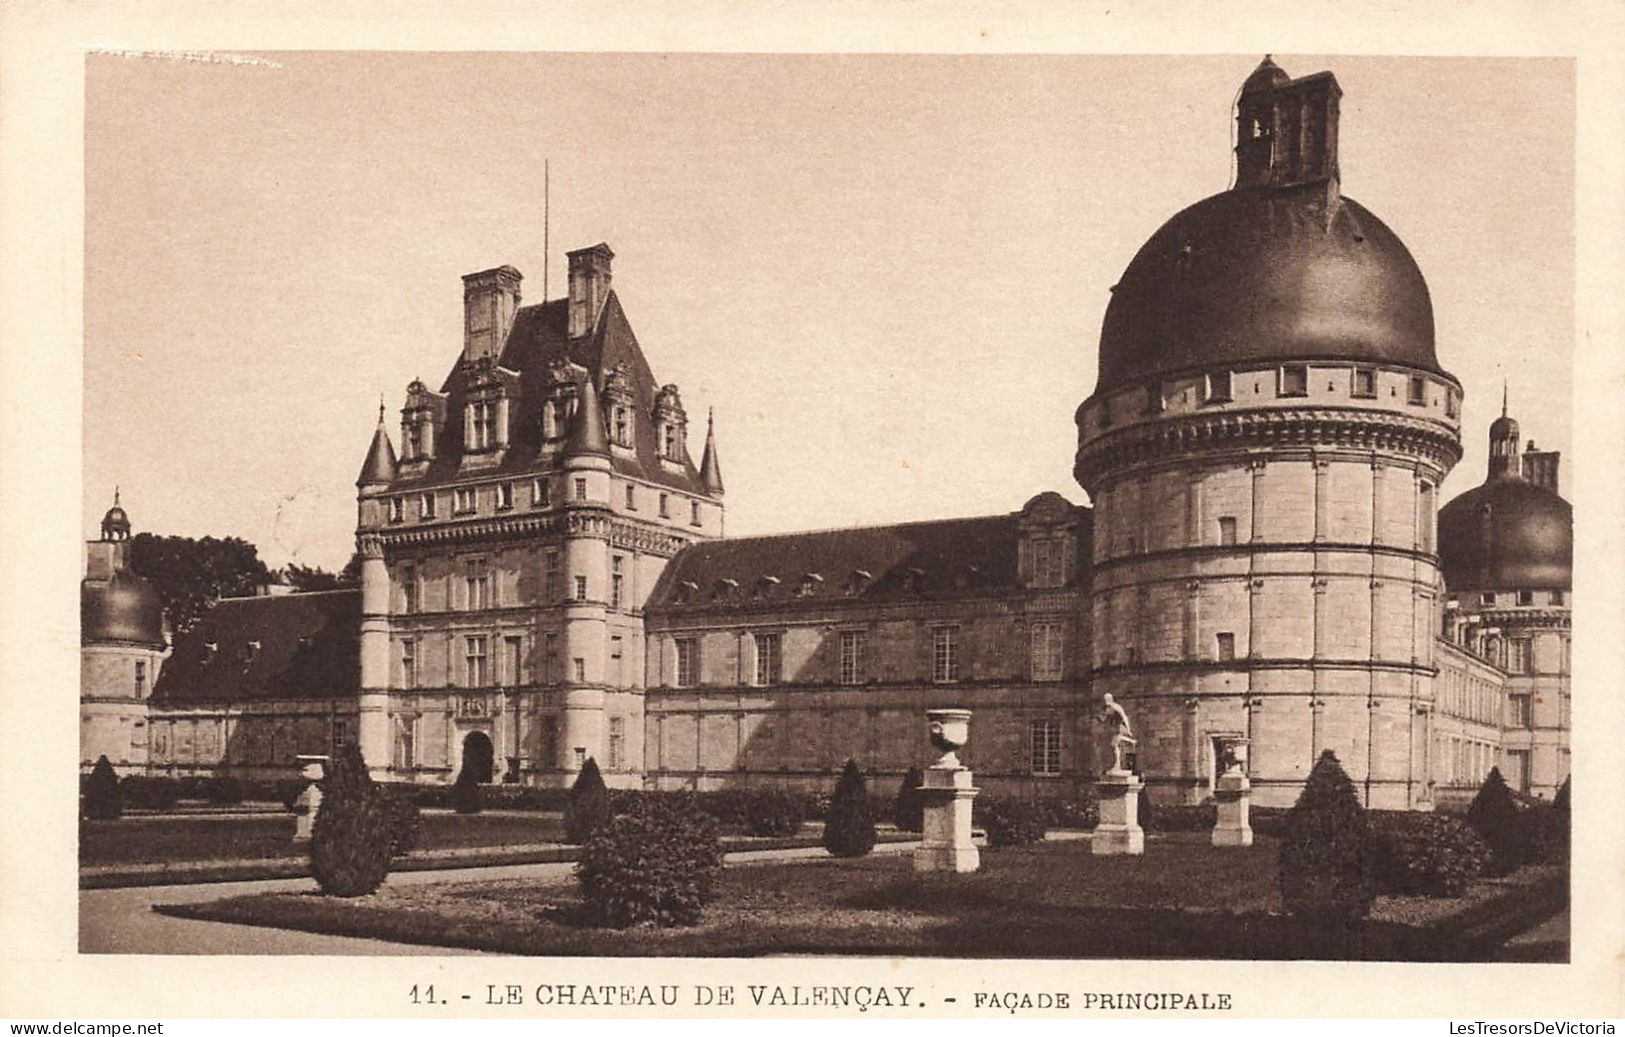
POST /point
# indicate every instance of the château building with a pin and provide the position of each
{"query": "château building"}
(545, 576)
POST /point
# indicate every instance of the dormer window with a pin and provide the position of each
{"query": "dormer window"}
(412, 440)
(686, 591)
(505, 495)
(538, 493)
(671, 445)
(724, 589)
(766, 585)
(463, 500)
(623, 426)
(426, 506)
(672, 422)
(553, 422)
(397, 509)
(914, 580)
(250, 650)
(810, 582)
(856, 583)
(483, 428)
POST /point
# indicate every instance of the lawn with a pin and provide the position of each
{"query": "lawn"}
(1182, 899)
(158, 839)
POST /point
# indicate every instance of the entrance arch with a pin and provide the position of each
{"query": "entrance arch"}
(478, 756)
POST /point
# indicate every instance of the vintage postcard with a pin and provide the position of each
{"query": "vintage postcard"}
(1104, 523)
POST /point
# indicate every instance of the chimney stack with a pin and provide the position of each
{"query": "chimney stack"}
(589, 287)
(1286, 129)
(490, 299)
(1540, 466)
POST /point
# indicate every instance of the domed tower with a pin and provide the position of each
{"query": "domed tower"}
(121, 646)
(1507, 550)
(1263, 448)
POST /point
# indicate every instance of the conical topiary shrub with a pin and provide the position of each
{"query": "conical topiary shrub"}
(467, 794)
(588, 809)
(104, 801)
(350, 843)
(1325, 867)
(849, 827)
(1495, 817)
(908, 812)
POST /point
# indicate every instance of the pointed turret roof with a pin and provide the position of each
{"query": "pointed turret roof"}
(380, 464)
(710, 472)
(587, 435)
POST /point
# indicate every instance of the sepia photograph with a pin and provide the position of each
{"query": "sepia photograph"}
(1067, 527)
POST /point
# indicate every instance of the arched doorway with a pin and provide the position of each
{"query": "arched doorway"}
(478, 756)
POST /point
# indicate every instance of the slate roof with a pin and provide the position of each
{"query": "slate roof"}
(308, 648)
(537, 338)
(912, 561)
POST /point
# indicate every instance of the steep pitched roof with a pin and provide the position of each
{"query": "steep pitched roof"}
(537, 339)
(952, 557)
(379, 467)
(293, 646)
(710, 470)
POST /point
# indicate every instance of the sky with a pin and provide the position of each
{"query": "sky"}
(885, 273)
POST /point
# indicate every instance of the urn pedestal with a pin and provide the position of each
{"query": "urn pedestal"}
(948, 795)
(312, 769)
(1231, 793)
(1119, 830)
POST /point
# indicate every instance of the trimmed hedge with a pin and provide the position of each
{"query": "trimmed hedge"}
(467, 794)
(654, 865)
(405, 820)
(1424, 854)
(143, 793)
(1325, 868)
(849, 824)
(103, 800)
(1012, 822)
(775, 812)
(589, 807)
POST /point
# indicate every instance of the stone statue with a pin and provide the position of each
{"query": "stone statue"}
(1122, 735)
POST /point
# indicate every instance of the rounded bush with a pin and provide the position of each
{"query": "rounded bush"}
(104, 800)
(775, 812)
(1425, 854)
(350, 843)
(1012, 822)
(589, 808)
(654, 865)
(908, 812)
(1495, 816)
(1325, 868)
(849, 824)
(1081, 811)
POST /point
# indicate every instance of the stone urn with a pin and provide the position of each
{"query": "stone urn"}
(313, 769)
(950, 730)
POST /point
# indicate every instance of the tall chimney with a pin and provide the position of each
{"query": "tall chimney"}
(1286, 129)
(490, 299)
(1540, 466)
(589, 287)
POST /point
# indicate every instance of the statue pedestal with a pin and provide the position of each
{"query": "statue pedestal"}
(310, 800)
(1232, 791)
(1119, 829)
(946, 845)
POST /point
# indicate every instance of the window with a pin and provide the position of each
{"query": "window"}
(1225, 644)
(1044, 746)
(341, 733)
(693, 512)
(1556, 597)
(409, 589)
(476, 671)
(1294, 380)
(1047, 651)
(1227, 530)
(463, 499)
(616, 675)
(945, 654)
(1417, 394)
(1518, 655)
(1452, 404)
(581, 489)
(1048, 563)
(671, 445)
(1487, 598)
(140, 679)
(1218, 388)
(1155, 402)
(553, 590)
(397, 509)
(623, 426)
(665, 506)
(581, 588)
(405, 739)
(409, 664)
(552, 419)
(1365, 383)
(688, 662)
(1526, 597)
(413, 443)
(538, 493)
(1519, 713)
(578, 667)
(482, 429)
(505, 495)
(617, 582)
(476, 586)
(617, 743)
(551, 657)
(631, 497)
(768, 659)
(512, 661)
(426, 506)
(853, 643)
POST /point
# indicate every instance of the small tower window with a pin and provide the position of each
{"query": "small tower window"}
(505, 495)
(631, 497)
(426, 506)
(1225, 646)
(463, 499)
(581, 489)
(1417, 395)
(1365, 383)
(1219, 387)
(538, 493)
(581, 588)
(1227, 531)
(397, 509)
(1294, 380)
(693, 513)
(665, 506)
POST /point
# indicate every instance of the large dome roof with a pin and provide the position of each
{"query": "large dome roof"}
(1508, 534)
(1258, 274)
(123, 608)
